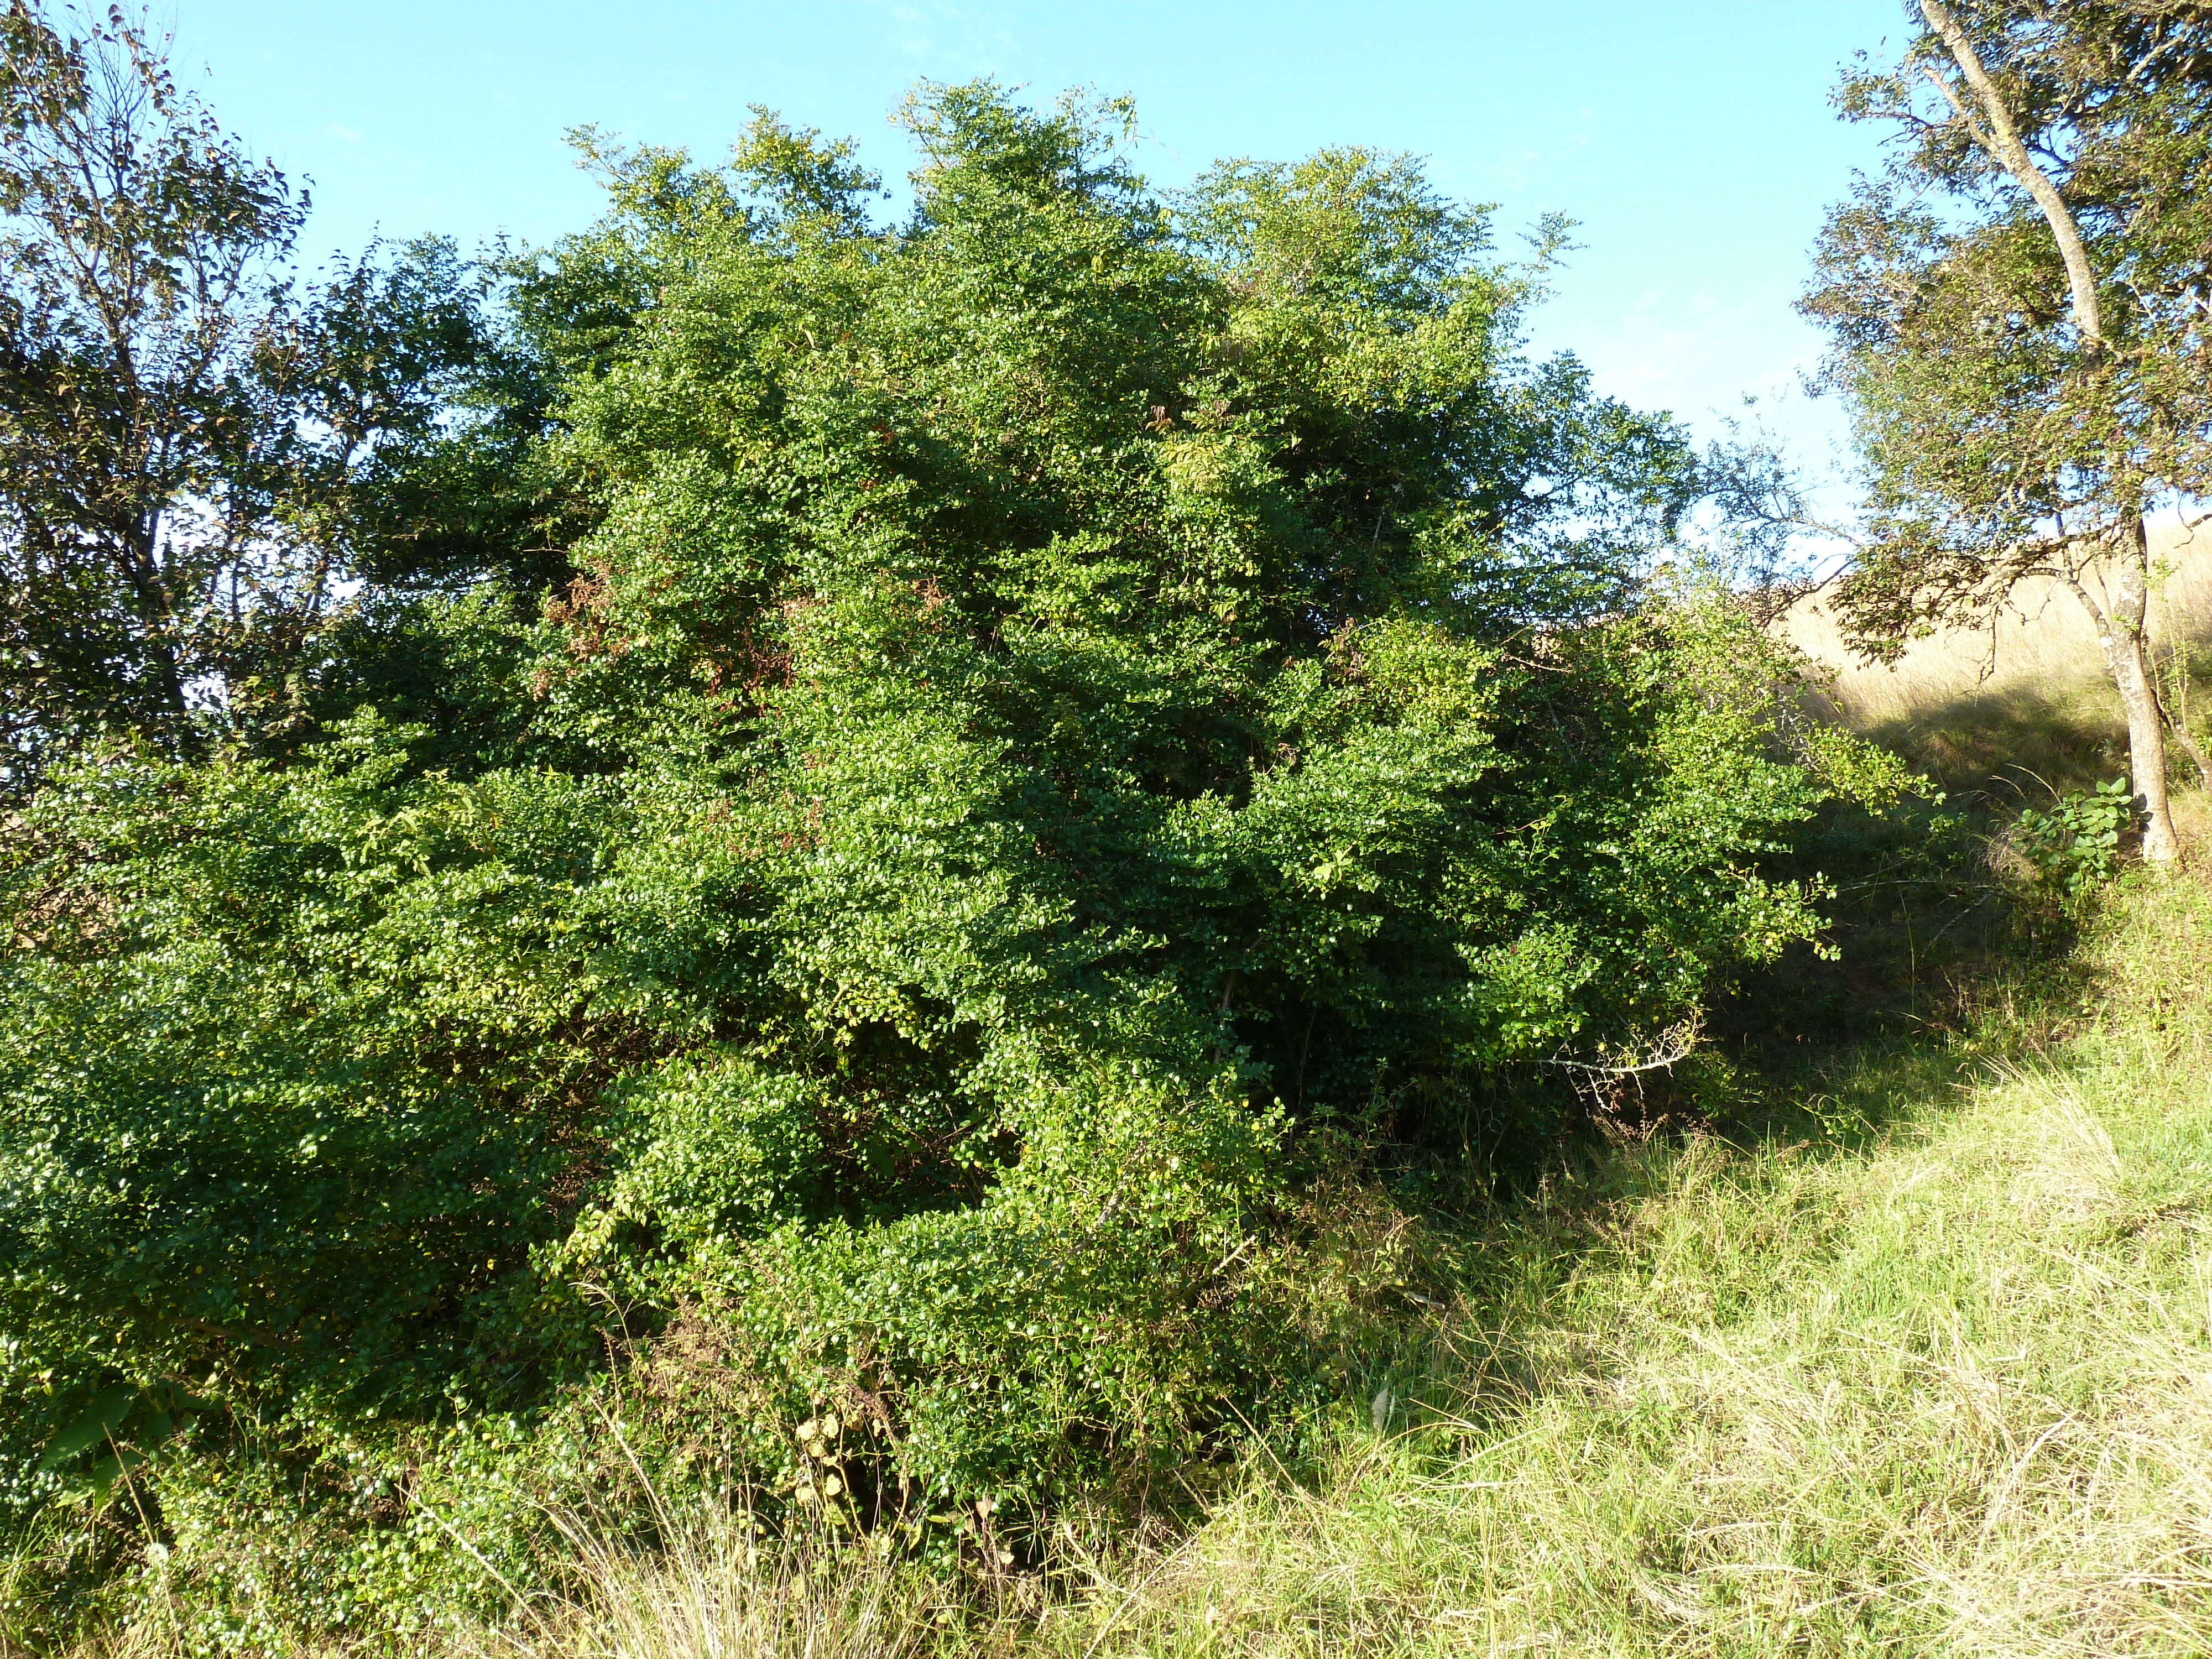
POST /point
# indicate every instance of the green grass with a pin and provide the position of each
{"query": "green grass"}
(1926, 1371)
(1944, 1390)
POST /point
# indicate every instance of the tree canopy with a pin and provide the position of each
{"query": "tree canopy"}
(2018, 310)
(191, 440)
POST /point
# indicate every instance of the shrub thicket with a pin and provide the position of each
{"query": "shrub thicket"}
(1075, 715)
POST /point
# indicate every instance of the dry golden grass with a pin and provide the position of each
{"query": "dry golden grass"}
(713, 1593)
(2025, 699)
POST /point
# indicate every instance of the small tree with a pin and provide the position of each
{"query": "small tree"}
(181, 435)
(2019, 311)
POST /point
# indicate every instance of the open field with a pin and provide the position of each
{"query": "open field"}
(2026, 700)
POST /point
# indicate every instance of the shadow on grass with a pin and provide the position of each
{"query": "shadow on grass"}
(1737, 1164)
(2015, 747)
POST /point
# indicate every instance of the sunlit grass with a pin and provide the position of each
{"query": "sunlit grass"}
(1947, 1392)
(1942, 1386)
(2024, 707)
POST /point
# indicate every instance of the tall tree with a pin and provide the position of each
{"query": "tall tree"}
(182, 431)
(2018, 309)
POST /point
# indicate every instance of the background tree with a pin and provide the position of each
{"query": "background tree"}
(187, 440)
(2019, 314)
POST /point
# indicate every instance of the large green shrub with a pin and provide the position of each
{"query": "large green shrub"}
(1079, 709)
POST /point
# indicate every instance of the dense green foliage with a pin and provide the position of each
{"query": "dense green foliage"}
(199, 450)
(2011, 384)
(2016, 303)
(1069, 719)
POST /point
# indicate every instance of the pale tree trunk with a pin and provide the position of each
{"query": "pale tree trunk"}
(2001, 138)
(2120, 630)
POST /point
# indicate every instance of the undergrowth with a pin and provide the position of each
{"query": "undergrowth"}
(1916, 1363)
(1937, 1383)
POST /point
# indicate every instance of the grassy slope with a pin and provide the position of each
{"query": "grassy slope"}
(1927, 1369)
(1939, 1383)
(2027, 703)
(1946, 1390)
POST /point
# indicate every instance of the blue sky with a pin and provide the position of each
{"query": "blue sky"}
(1693, 143)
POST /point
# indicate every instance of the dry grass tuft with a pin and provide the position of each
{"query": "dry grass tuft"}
(712, 1593)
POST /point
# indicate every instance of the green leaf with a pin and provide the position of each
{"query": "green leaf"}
(108, 1410)
(101, 1480)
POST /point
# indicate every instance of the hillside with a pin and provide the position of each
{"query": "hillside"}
(1047, 915)
(2027, 702)
(1923, 1373)
(1904, 1352)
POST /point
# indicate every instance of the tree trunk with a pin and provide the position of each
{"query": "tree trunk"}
(142, 570)
(2120, 620)
(2002, 141)
(2127, 655)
